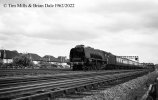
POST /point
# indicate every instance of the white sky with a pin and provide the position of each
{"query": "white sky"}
(122, 27)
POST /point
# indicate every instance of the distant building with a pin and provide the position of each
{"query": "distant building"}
(51, 59)
(34, 58)
(62, 59)
(60, 62)
(6, 56)
(63, 62)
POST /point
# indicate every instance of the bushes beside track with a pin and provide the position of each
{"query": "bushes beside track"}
(24, 62)
(19, 62)
(40, 65)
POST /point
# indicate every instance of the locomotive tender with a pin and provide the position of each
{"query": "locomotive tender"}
(87, 58)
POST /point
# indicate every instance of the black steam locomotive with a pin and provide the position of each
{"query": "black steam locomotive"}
(87, 58)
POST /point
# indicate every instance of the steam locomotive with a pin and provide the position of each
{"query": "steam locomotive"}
(87, 58)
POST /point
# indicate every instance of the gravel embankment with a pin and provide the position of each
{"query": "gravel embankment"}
(131, 90)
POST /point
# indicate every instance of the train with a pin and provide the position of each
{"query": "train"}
(88, 58)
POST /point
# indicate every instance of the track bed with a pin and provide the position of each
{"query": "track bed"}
(57, 85)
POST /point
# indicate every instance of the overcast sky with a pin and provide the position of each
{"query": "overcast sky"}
(122, 27)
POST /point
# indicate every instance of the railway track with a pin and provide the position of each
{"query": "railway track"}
(8, 82)
(23, 72)
(63, 85)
